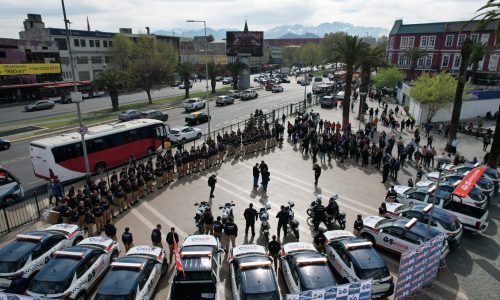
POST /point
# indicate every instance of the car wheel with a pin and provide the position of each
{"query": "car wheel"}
(369, 237)
(6, 147)
(197, 122)
(100, 167)
(80, 296)
(203, 106)
(198, 135)
(77, 240)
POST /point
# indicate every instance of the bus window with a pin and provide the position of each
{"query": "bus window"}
(66, 152)
(161, 131)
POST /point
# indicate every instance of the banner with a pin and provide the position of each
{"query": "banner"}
(178, 261)
(29, 69)
(466, 185)
(5, 296)
(418, 267)
(360, 290)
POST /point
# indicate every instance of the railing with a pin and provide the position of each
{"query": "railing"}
(32, 207)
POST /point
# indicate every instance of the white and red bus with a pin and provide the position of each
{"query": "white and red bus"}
(61, 91)
(108, 146)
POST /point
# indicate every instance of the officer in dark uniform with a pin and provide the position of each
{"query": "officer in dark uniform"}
(358, 225)
(218, 226)
(127, 239)
(319, 214)
(274, 248)
(250, 215)
(283, 217)
(319, 241)
(391, 194)
(231, 232)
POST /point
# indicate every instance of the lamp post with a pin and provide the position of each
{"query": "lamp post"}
(206, 67)
(77, 96)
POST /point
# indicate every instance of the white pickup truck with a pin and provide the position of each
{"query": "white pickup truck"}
(194, 104)
(248, 94)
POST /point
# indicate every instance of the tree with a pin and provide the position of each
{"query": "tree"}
(479, 51)
(310, 54)
(185, 71)
(214, 70)
(328, 43)
(235, 69)
(383, 42)
(113, 80)
(350, 51)
(435, 91)
(413, 55)
(388, 77)
(123, 48)
(372, 58)
(290, 55)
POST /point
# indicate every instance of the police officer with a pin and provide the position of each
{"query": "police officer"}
(274, 248)
(127, 239)
(110, 230)
(317, 173)
(170, 241)
(283, 217)
(218, 226)
(208, 219)
(382, 210)
(156, 236)
(319, 214)
(320, 240)
(358, 225)
(332, 208)
(231, 231)
(212, 180)
(250, 215)
(391, 194)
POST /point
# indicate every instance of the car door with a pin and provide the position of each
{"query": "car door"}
(340, 260)
(390, 236)
(287, 273)
(188, 133)
(148, 279)
(416, 197)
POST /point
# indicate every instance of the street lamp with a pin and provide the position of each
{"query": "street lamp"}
(78, 97)
(206, 67)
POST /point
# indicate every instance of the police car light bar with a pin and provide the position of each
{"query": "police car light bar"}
(314, 260)
(196, 253)
(127, 265)
(28, 237)
(432, 189)
(476, 165)
(358, 245)
(244, 265)
(457, 182)
(428, 208)
(69, 253)
(411, 223)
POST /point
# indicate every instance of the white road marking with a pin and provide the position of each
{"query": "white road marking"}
(459, 293)
(164, 219)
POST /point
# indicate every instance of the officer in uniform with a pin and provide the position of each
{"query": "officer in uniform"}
(319, 214)
(250, 215)
(218, 226)
(391, 194)
(358, 225)
(158, 175)
(319, 241)
(127, 239)
(274, 248)
(220, 150)
(231, 232)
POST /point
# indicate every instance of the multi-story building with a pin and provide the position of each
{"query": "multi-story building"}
(193, 50)
(442, 44)
(273, 48)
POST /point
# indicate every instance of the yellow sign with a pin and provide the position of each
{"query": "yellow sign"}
(28, 69)
(222, 59)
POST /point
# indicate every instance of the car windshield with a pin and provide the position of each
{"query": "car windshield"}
(114, 278)
(114, 297)
(50, 287)
(14, 256)
(263, 296)
(174, 131)
(410, 190)
(191, 101)
(377, 273)
(316, 276)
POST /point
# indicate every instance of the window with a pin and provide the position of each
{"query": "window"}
(460, 40)
(412, 238)
(64, 60)
(391, 43)
(105, 44)
(456, 61)
(428, 62)
(423, 41)
(83, 43)
(474, 37)
(449, 41)
(411, 41)
(67, 152)
(394, 231)
(83, 75)
(61, 43)
(420, 62)
(96, 59)
(432, 42)
(82, 60)
(110, 44)
(403, 43)
(76, 42)
(107, 59)
(2, 54)
(493, 65)
(484, 38)
(446, 61)
(97, 43)
(91, 43)
(403, 61)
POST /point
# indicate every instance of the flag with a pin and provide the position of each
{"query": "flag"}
(88, 24)
(178, 262)
(466, 185)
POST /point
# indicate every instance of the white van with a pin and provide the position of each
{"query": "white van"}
(10, 187)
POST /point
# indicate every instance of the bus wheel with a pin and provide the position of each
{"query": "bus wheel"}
(100, 167)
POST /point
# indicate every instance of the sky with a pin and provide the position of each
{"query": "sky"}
(109, 15)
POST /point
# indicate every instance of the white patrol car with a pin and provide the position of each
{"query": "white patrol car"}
(252, 275)
(201, 261)
(135, 275)
(21, 259)
(304, 268)
(355, 259)
(398, 235)
(73, 272)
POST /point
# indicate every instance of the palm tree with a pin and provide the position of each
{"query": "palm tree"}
(373, 58)
(214, 70)
(235, 69)
(479, 51)
(413, 55)
(113, 81)
(185, 70)
(349, 50)
(490, 13)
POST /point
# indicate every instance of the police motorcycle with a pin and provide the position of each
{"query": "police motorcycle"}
(227, 211)
(198, 217)
(293, 224)
(264, 221)
(332, 214)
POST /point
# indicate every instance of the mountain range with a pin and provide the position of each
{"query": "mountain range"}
(287, 31)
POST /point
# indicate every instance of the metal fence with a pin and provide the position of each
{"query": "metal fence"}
(32, 207)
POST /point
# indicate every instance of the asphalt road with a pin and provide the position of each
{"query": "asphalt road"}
(17, 160)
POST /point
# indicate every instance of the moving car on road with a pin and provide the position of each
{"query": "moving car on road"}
(201, 258)
(154, 114)
(135, 275)
(194, 104)
(277, 89)
(10, 187)
(196, 118)
(355, 259)
(21, 259)
(224, 100)
(304, 268)
(129, 115)
(4, 144)
(39, 105)
(233, 93)
(227, 80)
(248, 94)
(251, 273)
(73, 272)
(184, 134)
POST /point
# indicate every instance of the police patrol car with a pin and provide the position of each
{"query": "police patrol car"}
(398, 235)
(29, 252)
(444, 221)
(201, 260)
(355, 259)
(252, 275)
(73, 271)
(134, 276)
(304, 268)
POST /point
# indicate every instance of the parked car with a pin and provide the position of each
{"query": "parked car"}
(184, 134)
(248, 94)
(328, 101)
(4, 144)
(154, 114)
(182, 86)
(130, 114)
(277, 89)
(305, 83)
(194, 104)
(269, 85)
(233, 93)
(196, 118)
(285, 80)
(227, 80)
(224, 100)
(39, 105)
(10, 187)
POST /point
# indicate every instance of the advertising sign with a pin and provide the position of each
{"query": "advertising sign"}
(418, 267)
(29, 69)
(360, 290)
(466, 185)
(244, 43)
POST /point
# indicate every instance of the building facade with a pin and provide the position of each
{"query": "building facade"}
(273, 48)
(442, 44)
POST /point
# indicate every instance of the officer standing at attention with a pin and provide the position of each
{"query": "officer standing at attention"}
(170, 241)
(156, 236)
(358, 225)
(127, 239)
(274, 248)
(319, 241)
(218, 226)
(231, 231)
(250, 215)
(283, 217)
(319, 214)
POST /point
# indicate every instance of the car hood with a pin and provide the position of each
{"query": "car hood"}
(372, 221)
(392, 206)
(401, 189)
